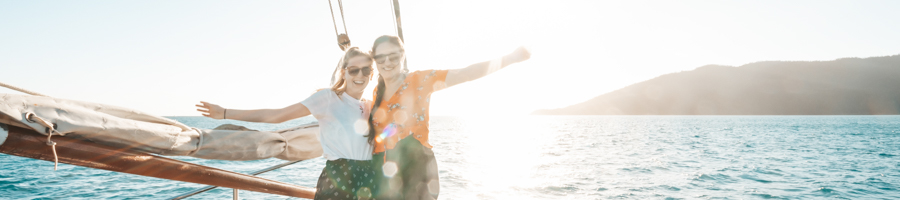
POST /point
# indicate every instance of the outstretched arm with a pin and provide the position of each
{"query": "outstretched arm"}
(261, 115)
(478, 70)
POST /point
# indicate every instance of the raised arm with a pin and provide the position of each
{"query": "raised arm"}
(261, 115)
(478, 70)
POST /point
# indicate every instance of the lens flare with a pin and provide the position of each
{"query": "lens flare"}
(433, 187)
(364, 193)
(390, 169)
(361, 127)
(401, 117)
(388, 131)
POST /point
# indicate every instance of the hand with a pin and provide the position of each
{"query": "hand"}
(519, 55)
(211, 110)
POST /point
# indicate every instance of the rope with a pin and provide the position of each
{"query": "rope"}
(343, 39)
(343, 20)
(332, 18)
(31, 117)
(21, 90)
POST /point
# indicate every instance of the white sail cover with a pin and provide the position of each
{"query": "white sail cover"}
(132, 129)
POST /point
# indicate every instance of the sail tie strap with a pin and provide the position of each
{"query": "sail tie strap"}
(199, 143)
(51, 129)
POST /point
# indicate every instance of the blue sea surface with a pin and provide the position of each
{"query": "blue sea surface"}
(570, 157)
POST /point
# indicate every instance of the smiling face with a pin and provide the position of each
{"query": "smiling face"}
(357, 74)
(389, 56)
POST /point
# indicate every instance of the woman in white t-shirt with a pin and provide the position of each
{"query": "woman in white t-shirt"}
(342, 116)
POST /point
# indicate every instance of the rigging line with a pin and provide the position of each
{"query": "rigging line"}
(343, 20)
(332, 18)
(208, 188)
(334, 21)
(20, 89)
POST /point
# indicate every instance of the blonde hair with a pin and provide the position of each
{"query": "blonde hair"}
(340, 86)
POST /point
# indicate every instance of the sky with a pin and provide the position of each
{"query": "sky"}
(162, 57)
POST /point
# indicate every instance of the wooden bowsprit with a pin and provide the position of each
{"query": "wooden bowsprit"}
(30, 144)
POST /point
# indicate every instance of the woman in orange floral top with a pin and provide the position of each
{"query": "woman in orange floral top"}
(399, 118)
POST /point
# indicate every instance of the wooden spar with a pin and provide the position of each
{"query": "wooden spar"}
(396, 8)
(30, 144)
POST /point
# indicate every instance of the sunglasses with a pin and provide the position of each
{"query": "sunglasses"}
(395, 57)
(365, 71)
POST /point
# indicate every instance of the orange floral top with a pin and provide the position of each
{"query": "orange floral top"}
(406, 112)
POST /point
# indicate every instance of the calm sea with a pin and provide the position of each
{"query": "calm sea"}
(572, 157)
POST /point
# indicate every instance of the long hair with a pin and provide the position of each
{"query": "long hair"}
(339, 86)
(379, 90)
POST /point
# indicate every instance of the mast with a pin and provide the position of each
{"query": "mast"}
(396, 8)
(397, 19)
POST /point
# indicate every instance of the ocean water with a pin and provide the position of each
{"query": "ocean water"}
(571, 157)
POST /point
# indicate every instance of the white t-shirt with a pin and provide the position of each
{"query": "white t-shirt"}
(343, 125)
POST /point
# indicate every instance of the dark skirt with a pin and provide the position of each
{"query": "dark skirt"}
(346, 179)
(409, 171)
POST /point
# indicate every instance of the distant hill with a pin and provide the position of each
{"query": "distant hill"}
(848, 86)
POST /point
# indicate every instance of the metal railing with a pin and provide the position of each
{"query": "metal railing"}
(208, 188)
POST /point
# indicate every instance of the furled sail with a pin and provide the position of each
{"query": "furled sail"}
(131, 129)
